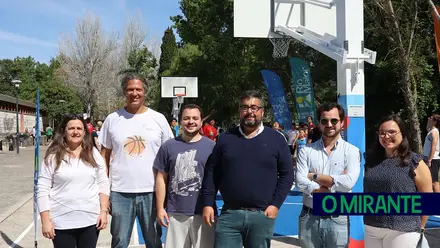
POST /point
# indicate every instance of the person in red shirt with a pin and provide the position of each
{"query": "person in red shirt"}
(209, 130)
(310, 123)
(90, 126)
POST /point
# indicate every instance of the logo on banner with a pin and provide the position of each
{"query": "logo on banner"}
(303, 89)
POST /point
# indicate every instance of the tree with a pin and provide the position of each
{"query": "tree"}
(87, 60)
(133, 39)
(142, 62)
(56, 98)
(409, 46)
(168, 49)
(6, 76)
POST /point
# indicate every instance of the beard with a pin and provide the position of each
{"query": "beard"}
(250, 123)
(327, 132)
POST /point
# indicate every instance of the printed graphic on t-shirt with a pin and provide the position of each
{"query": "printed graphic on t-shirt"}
(134, 146)
(186, 180)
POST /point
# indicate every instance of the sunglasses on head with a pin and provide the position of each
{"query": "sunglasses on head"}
(333, 121)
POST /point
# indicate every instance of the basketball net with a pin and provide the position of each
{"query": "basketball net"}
(280, 47)
(177, 103)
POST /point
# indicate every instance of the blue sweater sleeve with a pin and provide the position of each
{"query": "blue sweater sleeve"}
(211, 177)
(285, 174)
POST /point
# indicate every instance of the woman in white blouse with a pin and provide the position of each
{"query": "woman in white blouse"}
(73, 188)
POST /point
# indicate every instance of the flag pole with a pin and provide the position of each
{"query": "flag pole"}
(37, 164)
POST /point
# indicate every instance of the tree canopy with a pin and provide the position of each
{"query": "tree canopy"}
(226, 66)
(56, 98)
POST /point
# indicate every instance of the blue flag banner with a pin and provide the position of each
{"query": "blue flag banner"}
(325, 204)
(36, 163)
(303, 89)
(277, 99)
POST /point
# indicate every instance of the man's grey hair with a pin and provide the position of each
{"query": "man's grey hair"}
(133, 76)
(253, 94)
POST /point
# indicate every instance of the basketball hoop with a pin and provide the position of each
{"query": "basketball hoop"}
(180, 98)
(177, 103)
(280, 47)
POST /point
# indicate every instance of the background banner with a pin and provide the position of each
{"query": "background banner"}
(277, 99)
(303, 90)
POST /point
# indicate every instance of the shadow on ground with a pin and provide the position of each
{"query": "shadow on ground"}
(8, 241)
(433, 237)
(295, 193)
(286, 239)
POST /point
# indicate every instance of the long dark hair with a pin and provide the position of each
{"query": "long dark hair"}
(58, 147)
(376, 155)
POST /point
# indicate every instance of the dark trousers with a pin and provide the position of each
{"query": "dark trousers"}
(85, 237)
(238, 228)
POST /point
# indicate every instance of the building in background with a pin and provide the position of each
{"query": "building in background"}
(26, 116)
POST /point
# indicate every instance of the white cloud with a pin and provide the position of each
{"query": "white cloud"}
(17, 38)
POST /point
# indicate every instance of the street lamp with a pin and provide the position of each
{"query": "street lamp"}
(17, 85)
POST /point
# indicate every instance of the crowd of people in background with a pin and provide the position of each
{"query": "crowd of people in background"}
(138, 165)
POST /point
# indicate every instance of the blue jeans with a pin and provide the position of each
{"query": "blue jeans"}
(238, 228)
(125, 208)
(318, 232)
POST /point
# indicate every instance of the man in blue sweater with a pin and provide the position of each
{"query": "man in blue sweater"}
(252, 167)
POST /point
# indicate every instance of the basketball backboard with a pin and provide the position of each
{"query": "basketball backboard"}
(318, 16)
(172, 86)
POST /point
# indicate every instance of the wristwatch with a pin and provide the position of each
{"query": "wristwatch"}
(315, 177)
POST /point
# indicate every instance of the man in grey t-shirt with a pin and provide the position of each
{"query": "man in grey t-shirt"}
(180, 165)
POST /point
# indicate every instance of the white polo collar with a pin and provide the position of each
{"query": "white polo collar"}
(260, 130)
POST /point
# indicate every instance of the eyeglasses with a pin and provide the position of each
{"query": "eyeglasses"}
(253, 108)
(390, 133)
(333, 121)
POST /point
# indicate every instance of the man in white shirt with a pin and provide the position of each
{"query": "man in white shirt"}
(327, 165)
(293, 135)
(134, 134)
(431, 149)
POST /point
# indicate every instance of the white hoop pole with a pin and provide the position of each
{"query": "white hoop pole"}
(351, 92)
(177, 103)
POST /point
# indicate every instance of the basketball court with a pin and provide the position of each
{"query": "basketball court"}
(334, 28)
(287, 220)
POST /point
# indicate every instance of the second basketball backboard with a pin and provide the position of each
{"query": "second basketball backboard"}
(173, 86)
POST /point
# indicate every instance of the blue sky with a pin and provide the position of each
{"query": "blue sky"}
(33, 27)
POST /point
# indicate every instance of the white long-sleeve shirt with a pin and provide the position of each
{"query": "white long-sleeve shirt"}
(314, 158)
(71, 193)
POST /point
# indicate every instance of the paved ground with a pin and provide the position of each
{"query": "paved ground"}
(16, 179)
(16, 209)
(16, 205)
(18, 231)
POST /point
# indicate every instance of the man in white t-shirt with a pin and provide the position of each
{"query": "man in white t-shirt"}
(431, 149)
(134, 135)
